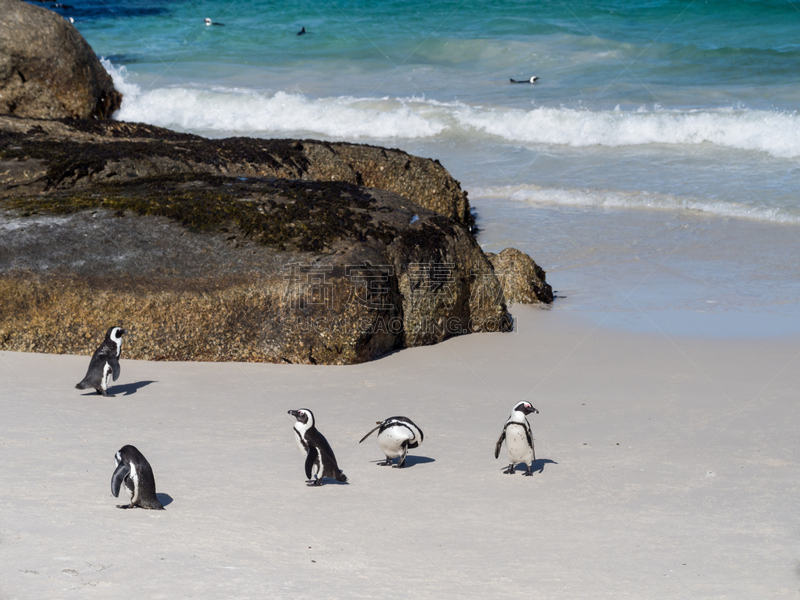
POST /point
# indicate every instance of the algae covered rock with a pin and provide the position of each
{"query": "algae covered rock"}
(232, 268)
(77, 153)
(47, 70)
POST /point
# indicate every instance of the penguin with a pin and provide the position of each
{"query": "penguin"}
(317, 450)
(519, 439)
(135, 472)
(396, 436)
(302, 31)
(209, 22)
(104, 363)
(531, 80)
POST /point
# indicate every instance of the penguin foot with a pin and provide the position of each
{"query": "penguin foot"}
(386, 463)
(316, 483)
(509, 470)
(528, 472)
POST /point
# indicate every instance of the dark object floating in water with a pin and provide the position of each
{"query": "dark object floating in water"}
(210, 22)
(531, 80)
(302, 31)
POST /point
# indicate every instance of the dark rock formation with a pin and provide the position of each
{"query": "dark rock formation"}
(523, 281)
(78, 153)
(172, 237)
(47, 70)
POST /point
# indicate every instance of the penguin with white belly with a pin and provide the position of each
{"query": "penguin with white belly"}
(320, 461)
(518, 438)
(134, 472)
(104, 363)
(395, 436)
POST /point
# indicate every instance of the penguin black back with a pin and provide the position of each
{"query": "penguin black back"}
(135, 473)
(104, 363)
(320, 460)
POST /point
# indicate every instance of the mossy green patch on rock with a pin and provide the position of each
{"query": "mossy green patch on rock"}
(73, 153)
(309, 216)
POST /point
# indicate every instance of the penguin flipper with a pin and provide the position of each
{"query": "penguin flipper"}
(120, 473)
(114, 363)
(529, 435)
(311, 458)
(371, 431)
(499, 444)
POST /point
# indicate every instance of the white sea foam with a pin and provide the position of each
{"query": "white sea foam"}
(535, 195)
(129, 91)
(225, 111)
(777, 133)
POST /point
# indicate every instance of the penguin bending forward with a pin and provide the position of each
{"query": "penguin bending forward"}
(320, 461)
(396, 436)
(519, 439)
(135, 473)
(104, 363)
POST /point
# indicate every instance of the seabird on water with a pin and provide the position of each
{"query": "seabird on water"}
(531, 80)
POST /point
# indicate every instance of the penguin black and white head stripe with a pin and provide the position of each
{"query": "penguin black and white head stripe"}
(134, 472)
(320, 461)
(518, 438)
(395, 436)
(104, 363)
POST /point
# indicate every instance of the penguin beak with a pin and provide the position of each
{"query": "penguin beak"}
(120, 473)
(294, 413)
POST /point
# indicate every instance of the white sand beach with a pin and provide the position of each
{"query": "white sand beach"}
(667, 468)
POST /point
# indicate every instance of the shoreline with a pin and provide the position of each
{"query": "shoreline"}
(651, 271)
(666, 468)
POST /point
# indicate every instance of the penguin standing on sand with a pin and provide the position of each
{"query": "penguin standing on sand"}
(396, 436)
(104, 363)
(135, 473)
(320, 461)
(519, 439)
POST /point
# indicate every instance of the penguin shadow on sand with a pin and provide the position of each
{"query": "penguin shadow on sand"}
(165, 499)
(411, 460)
(126, 389)
(537, 466)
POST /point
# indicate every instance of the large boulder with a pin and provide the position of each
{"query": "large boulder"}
(47, 70)
(220, 268)
(91, 152)
(202, 263)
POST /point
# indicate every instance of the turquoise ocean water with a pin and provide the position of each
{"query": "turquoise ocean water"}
(653, 169)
